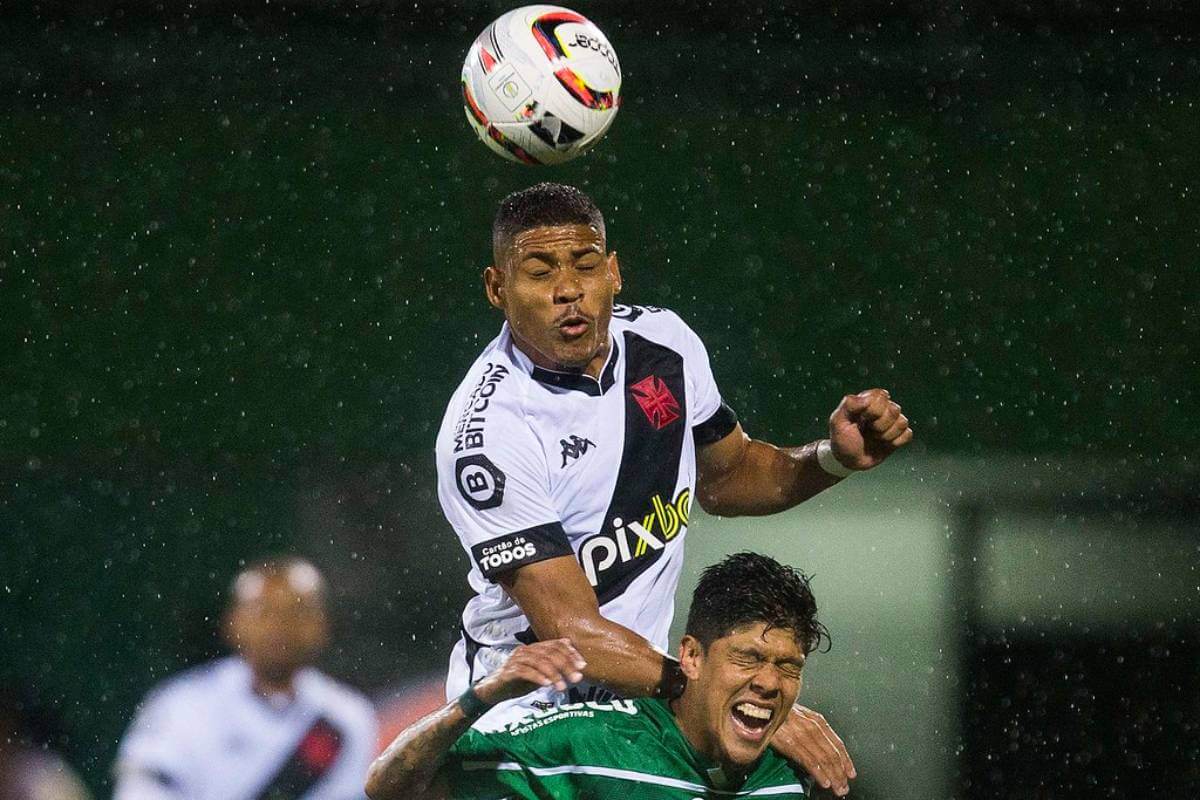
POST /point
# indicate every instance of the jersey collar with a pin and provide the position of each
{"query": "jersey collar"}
(575, 381)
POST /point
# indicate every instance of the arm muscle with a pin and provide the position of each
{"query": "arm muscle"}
(560, 603)
(740, 476)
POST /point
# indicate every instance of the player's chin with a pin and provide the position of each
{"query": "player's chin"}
(742, 753)
(575, 351)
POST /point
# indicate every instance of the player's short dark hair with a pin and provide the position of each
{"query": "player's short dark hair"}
(539, 205)
(749, 588)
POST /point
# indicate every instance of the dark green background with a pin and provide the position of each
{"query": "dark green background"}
(240, 256)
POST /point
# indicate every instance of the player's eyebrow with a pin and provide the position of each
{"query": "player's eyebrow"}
(540, 255)
(745, 651)
(551, 257)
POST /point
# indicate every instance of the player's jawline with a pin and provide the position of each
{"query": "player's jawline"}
(629, 775)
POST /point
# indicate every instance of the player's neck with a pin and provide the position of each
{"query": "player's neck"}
(274, 688)
(592, 369)
(692, 724)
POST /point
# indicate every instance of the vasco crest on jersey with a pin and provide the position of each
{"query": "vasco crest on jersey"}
(654, 397)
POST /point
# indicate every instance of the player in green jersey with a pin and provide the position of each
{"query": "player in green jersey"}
(752, 624)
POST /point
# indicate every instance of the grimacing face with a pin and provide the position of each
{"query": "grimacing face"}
(739, 691)
(277, 623)
(556, 289)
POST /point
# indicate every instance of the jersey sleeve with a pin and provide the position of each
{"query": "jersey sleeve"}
(152, 762)
(493, 486)
(711, 418)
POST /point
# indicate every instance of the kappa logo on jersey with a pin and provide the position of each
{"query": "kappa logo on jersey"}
(480, 482)
(656, 401)
(638, 539)
(573, 448)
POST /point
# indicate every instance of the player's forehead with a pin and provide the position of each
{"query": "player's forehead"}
(554, 238)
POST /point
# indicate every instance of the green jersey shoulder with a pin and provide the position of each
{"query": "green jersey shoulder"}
(625, 748)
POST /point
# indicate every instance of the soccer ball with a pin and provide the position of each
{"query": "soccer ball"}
(541, 85)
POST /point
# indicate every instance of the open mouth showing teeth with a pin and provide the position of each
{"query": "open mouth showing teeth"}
(753, 718)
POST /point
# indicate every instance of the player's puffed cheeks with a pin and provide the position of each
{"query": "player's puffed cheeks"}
(556, 289)
(745, 685)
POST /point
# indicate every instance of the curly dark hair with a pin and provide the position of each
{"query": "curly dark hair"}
(748, 588)
(539, 205)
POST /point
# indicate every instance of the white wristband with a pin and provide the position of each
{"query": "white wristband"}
(829, 462)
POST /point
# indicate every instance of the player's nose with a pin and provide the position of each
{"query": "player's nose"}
(568, 289)
(766, 681)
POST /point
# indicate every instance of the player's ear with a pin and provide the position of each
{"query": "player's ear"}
(493, 286)
(614, 269)
(691, 654)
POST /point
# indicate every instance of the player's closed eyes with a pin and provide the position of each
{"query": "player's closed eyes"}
(788, 669)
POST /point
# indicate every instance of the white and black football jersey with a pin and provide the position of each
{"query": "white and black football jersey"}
(207, 735)
(536, 464)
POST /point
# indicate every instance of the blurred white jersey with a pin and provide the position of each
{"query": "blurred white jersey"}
(207, 735)
(535, 464)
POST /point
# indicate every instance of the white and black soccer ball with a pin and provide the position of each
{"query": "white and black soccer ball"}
(541, 85)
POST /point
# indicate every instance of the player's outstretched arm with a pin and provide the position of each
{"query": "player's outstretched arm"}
(560, 603)
(410, 767)
(740, 476)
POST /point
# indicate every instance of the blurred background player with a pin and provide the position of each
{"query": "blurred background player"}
(29, 768)
(751, 625)
(263, 723)
(568, 458)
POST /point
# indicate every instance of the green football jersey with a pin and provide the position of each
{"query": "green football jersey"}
(627, 749)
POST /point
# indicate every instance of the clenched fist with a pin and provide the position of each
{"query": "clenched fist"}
(866, 428)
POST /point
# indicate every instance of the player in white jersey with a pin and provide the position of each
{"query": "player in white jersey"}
(568, 457)
(263, 725)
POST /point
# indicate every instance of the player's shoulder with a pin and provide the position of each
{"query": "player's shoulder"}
(493, 393)
(494, 369)
(660, 325)
(190, 689)
(337, 699)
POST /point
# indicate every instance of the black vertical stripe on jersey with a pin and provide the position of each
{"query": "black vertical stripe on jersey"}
(649, 458)
(300, 771)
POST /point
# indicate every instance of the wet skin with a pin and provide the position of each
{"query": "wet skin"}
(556, 287)
(752, 665)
